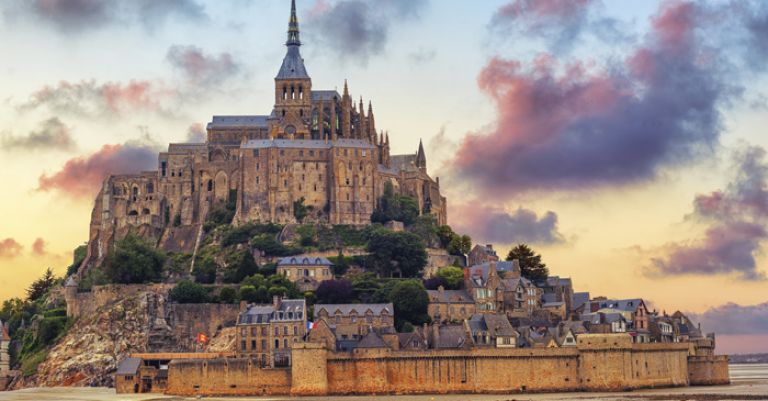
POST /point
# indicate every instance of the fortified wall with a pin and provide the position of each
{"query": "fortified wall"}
(599, 362)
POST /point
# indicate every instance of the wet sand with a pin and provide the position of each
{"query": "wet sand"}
(750, 382)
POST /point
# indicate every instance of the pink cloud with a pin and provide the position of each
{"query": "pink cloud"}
(82, 176)
(38, 247)
(10, 248)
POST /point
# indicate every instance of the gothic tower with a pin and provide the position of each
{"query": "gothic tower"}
(293, 88)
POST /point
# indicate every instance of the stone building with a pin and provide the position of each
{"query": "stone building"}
(306, 271)
(267, 332)
(497, 287)
(316, 147)
(482, 254)
(450, 305)
(491, 330)
(634, 311)
(353, 321)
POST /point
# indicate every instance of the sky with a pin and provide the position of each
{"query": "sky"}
(624, 141)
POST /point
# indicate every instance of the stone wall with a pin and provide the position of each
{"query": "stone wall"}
(599, 363)
(708, 370)
(187, 320)
(226, 376)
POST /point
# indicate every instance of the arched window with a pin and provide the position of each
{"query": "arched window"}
(150, 188)
(293, 92)
(301, 92)
(210, 185)
(306, 272)
(285, 92)
(285, 343)
(277, 343)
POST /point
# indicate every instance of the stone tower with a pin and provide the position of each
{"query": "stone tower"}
(70, 296)
(5, 340)
(293, 88)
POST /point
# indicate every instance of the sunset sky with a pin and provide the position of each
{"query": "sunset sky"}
(623, 140)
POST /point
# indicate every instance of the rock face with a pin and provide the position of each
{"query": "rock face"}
(141, 320)
(90, 351)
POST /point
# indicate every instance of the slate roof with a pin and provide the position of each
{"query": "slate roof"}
(128, 366)
(307, 143)
(594, 318)
(361, 309)
(450, 296)
(292, 310)
(627, 305)
(496, 325)
(307, 260)
(238, 121)
(325, 95)
(579, 298)
(479, 273)
(451, 336)
(371, 340)
(406, 339)
(293, 65)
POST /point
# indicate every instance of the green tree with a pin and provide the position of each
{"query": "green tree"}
(133, 261)
(392, 206)
(531, 266)
(205, 270)
(187, 292)
(78, 256)
(425, 227)
(241, 267)
(453, 276)
(40, 287)
(364, 286)
(445, 234)
(397, 251)
(410, 300)
(460, 245)
(228, 295)
(340, 265)
(300, 210)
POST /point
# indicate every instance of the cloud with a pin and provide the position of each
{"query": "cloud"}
(81, 177)
(732, 318)
(358, 29)
(200, 68)
(52, 135)
(560, 23)
(489, 224)
(75, 16)
(109, 99)
(736, 219)
(38, 247)
(576, 125)
(196, 134)
(9, 248)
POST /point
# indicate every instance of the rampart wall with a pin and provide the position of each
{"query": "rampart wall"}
(598, 363)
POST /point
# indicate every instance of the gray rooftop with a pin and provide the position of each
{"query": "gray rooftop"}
(360, 309)
(580, 298)
(496, 325)
(128, 366)
(288, 310)
(307, 143)
(451, 336)
(238, 121)
(325, 95)
(293, 65)
(628, 305)
(305, 260)
(371, 340)
(450, 296)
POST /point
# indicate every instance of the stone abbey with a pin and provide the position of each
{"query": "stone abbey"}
(315, 145)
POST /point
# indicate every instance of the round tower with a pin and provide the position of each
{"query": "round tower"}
(70, 296)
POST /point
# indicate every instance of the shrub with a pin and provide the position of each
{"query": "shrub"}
(228, 295)
(205, 270)
(187, 292)
(133, 261)
(410, 300)
(243, 266)
(392, 251)
(335, 292)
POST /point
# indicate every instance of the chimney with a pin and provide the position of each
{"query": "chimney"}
(516, 265)
(489, 246)
(441, 290)
(435, 334)
(243, 306)
(492, 269)
(276, 301)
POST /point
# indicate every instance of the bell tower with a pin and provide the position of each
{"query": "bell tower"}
(293, 89)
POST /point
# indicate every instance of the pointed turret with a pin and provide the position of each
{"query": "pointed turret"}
(421, 158)
(293, 64)
(371, 122)
(293, 27)
(346, 89)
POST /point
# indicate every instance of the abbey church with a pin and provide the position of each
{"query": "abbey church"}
(317, 145)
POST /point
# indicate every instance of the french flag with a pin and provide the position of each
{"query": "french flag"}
(310, 325)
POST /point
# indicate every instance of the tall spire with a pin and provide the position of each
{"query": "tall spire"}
(421, 158)
(293, 27)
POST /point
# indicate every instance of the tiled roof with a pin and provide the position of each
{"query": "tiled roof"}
(237, 121)
(304, 260)
(325, 95)
(371, 340)
(360, 309)
(293, 65)
(452, 336)
(628, 305)
(450, 296)
(497, 325)
(291, 309)
(580, 298)
(128, 366)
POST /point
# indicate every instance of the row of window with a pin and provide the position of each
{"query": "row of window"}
(263, 330)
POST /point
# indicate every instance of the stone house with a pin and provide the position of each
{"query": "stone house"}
(556, 289)
(448, 336)
(497, 287)
(450, 305)
(605, 322)
(267, 332)
(634, 311)
(5, 341)
(481, 254)
(413, 341)
(307, 272)
(491, 330)
(353, 321)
